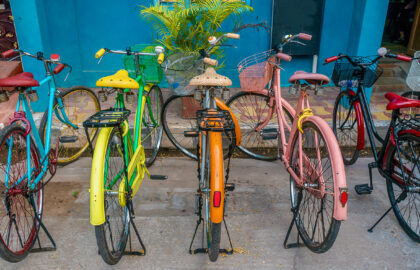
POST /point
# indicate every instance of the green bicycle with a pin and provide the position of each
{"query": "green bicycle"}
(119, 162)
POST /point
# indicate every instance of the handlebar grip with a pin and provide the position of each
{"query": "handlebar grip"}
(404, 58)
(100, 53)
(305, 36)
(284, 57)
(209, 61)
(161, 57)
(233, 35)
(331, 59)
(8, 53)
(58, 68)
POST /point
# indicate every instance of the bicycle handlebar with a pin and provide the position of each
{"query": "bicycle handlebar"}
(159, 51)
(54, 59)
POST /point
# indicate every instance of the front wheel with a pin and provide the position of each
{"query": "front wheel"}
(314, 199)
(79, 103)
(406, 204)
(252, 110)
(345, 127)
(112, 235)
(151, 134)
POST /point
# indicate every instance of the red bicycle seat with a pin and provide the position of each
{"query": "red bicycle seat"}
(398, 102)
(312, 78)
(25, 79)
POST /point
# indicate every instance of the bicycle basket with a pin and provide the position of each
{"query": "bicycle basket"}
(148, 67)
(413, 77)
(344, 72)
(255, 71)
(179, 69)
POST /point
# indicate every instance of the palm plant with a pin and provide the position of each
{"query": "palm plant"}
(187, 25)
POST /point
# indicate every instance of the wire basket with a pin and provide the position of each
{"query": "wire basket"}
(255, 71)
(148, 67)
(345, 73)
(180, 68)
(413, 77)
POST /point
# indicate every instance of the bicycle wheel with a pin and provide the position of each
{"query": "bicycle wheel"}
(178, 115)
(251, 110)
(151, 126)
(79, 103)
(407, 209)
(345, 127)
(314, 218)
(112, 235)
(18, 223)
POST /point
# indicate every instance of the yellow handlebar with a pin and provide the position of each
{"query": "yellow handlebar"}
(161, 57)
(100, 53)
(233, 35)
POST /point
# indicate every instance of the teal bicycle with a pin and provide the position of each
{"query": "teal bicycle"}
(28, 155)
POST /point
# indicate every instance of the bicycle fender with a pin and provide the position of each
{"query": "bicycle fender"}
(360, 125)
(220, 104)
(97, 210)
(216, 176)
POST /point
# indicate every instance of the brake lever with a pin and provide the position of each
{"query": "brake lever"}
(68, 73)
(12, 59)
(298, 42)
(100, 59)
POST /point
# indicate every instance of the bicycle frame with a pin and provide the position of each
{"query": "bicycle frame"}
(31, 128)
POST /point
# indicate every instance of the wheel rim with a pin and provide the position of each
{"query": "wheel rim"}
(316, 202)
(179, 116)
(151, 127)
(116, 217)
(408, 209)
(18, 225)
(345, 127)
(78, 105)
(251, 111)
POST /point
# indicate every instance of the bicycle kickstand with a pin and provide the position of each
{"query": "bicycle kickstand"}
(296, 244)
(41, 225)
(402, 196)
(131, 252)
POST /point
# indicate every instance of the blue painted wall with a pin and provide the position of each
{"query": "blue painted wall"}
(76, 29)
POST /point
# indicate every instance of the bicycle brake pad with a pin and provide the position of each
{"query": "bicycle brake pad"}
(158, 177)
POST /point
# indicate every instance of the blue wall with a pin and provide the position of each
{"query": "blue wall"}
(76, 29)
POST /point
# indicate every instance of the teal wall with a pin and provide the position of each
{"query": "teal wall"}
(76, 29)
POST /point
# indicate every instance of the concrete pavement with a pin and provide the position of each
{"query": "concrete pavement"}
(258, 218)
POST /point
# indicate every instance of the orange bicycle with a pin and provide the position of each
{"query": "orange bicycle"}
(214, 128)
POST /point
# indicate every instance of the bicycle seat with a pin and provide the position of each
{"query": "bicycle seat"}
(118, 80)
(210, 78)
(398, 102)
(311, 78)
(25, 79)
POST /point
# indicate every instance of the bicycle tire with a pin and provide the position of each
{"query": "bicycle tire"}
(152, 151)
(215, 231)
(349, 152)
(9, 208)
(315, 245)
(76, 113)
(239, 104)
(111, 253)
(408, 221)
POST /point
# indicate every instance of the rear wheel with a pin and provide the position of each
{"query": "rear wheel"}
(407, 205)
(251, 110)
(18, 223)
(315, 206)
(112, 236)
(345, 127)
(151, 126)
(214, 232)
(79, 103)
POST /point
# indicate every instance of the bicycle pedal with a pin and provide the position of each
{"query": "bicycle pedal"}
(68, 139)
(158, 177)
(191, 133)
(269, 134)
(363, 189)
(229, 187)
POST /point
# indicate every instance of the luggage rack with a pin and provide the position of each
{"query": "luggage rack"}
(409, 122)
(212, 120)
(113, 117)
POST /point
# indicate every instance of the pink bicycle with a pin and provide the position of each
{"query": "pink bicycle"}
(305, 143)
